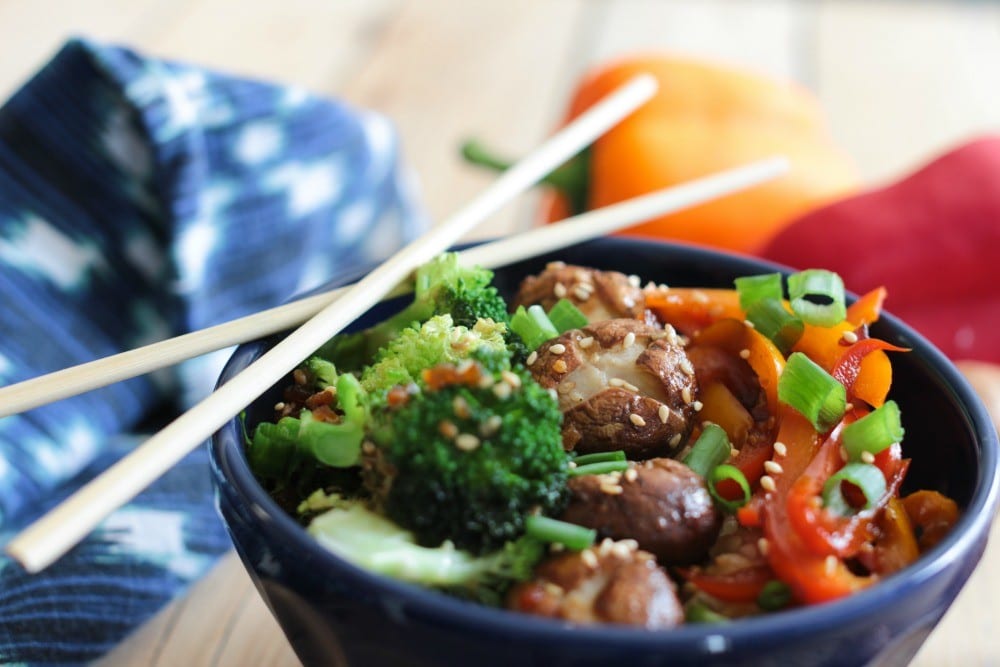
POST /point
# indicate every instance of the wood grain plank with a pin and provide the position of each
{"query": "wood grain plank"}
(905, 81)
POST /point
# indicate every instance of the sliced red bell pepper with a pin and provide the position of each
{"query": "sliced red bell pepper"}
(848, 369)
(743, 585)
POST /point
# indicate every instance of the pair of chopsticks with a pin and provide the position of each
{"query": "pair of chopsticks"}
(325, 315)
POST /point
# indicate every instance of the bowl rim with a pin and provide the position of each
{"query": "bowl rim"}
(231, 468)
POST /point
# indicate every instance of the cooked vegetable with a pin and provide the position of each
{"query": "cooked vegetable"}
(468, 455)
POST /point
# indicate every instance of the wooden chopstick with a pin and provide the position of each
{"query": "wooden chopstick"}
(75, 380)
(56, 532)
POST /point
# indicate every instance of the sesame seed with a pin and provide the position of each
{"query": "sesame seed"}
(604, 548)
(767, 483)
(466, 442)
(511, 378)
(589, 558)
(368, 447)
(612, 489)
(749, 324)
(300, 376)
(279, 406)
(553, 394)
(650, 285)
(616, 382)
(621, 551)
(744, 353)
(663, 413)
(631, 475)
(763, 545)
(686, 395)
(697, 405)
(676, 440)
(559, 366)
(490, 426)
(687, 367)
(532, 358)
(559, 290)
(663, 287)
(830, 565)
(843, 454)
(637, 419)
(780, 448)
(629, 339)
(460, 407)
(850, 337)
(630, 544)
(671, 334)
(634, 280)
(773, 467)
(586, 342)
(447, 429)
(848, 407)
(867, 457)
(486, 382)
(503, 390)
(557, 547)
(581, 294)
(566, 387)
(558, 348)
(733, 452)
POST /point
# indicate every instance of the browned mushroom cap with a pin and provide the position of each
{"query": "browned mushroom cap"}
(612, 583)
(622, 384)
(661, 503)
(600, 295)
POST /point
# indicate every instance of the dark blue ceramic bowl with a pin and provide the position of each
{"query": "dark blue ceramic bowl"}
(336, 614)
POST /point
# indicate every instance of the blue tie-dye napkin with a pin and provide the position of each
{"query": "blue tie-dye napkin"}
(141, 199)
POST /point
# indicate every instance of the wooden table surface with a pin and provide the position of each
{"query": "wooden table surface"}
(900, 81)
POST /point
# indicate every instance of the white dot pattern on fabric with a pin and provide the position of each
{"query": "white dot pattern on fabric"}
(41, 249)
(258, 142)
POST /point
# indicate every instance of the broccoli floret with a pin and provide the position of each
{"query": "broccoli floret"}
(468, 455)
(371, 541)
(442, 286)
(278, 450)
(437, 341)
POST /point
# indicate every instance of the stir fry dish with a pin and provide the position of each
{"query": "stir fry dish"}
(602, 451)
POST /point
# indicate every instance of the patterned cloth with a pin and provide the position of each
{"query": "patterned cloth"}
(141, 199)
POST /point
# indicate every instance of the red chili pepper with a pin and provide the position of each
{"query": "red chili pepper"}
(848, 367)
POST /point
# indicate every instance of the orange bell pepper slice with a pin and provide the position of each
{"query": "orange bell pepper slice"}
(690, 309)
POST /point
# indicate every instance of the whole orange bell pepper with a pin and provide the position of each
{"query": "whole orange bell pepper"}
(705, 117)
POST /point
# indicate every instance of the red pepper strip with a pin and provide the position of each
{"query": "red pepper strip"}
(848, 368)
(812, 578)
(743, 585)
(868, 307)
(823, 532)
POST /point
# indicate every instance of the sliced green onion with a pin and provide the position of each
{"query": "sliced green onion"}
(711, 449)
(866, 477)
(532, 325)
(817, 296)
(772, 319)
(565, 316)
(599, 457)
(806, 387)
(698, 612)
(599, 468)
(874, 432)
(570, 535)
(757, 288)
(774, 596)
(724, 472)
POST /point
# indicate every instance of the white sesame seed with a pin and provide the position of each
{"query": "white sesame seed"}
(629, 339)
(466, 442)
(460, 407)
(830, 565)
(581, 294)
(589, 558)
(634, 280)
(780, 448)
(867, 457)
(848, 407)
(279, 406)
(675, 440)
(850, 337)
(686, 367)
(767, 483)
(663, 413)
(637, 419)
(621, 551)
(300, 376)
(604, 548)
(733, 452)
(586, 342)
(557, 547)
(616, 382)
(631, 475)
(773, 467)
(502, 390)
(368, 447)
(763, 545)
(553, 394)
(486, 382)
(511, 378)
(686, 395)
(749, 324)
(559, 290)
(558, 348)
(532, 358)
(559, 366)
(744, 353)
(447, 429)
(843, 454)
(697, 405)
(490, 426)
(612, 489)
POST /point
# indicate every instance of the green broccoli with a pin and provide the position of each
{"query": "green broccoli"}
(373, 542)
(442, 286)
(468, 455)
(437, 341)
